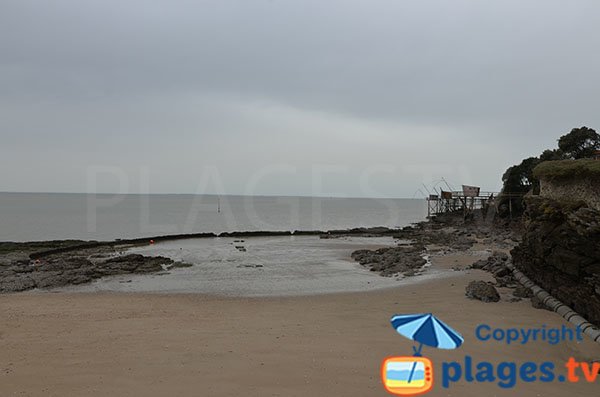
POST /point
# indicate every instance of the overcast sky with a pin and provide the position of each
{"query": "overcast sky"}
(333, 98)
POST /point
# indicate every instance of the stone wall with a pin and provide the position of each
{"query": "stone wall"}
(584, 189)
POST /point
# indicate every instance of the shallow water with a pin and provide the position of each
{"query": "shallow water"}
(270, 266)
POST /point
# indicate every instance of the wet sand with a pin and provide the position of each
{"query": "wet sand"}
(66, 344)
(267, 266)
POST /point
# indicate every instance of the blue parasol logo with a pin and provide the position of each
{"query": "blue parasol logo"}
(428, 330)
(414, 375)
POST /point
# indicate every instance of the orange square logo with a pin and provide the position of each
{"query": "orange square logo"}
(407, 376)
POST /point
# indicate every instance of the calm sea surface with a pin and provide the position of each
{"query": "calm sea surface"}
(48, 216)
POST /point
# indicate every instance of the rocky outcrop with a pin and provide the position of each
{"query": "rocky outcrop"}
(70, 270)
(391, 261)
(565, 179)
(482, 291)
(560, 251)
(453, 238)
(447, 232)
(586, 189)
(497, 265)
(523, 292)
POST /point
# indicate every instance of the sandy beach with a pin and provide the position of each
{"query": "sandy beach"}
(299, 198)
(98, 344)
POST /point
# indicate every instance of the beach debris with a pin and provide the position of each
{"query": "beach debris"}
(240, 248)
(482, 291)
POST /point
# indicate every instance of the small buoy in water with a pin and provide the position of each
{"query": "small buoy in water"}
(151, 241)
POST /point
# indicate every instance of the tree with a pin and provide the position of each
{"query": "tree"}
(550, 155)
(519, 178)
(579, 143)
(517, 181)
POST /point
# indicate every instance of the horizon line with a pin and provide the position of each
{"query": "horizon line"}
(214, 194)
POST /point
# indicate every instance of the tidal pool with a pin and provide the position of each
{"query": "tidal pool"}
(257, 266)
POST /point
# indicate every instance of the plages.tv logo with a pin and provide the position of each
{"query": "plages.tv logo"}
(413, 375)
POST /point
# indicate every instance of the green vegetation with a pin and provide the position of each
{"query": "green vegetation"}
(568, 169)
(580, 143)
(518, 180)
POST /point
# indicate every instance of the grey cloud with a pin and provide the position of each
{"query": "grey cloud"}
(153, 83)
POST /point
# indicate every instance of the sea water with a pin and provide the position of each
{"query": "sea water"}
(49, 216)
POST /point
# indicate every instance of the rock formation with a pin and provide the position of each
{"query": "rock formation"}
(74, 269)
(560, 251)
(482, 291)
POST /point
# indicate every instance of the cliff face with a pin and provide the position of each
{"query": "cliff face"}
(560, 251)
(585, 189)
(570, 179)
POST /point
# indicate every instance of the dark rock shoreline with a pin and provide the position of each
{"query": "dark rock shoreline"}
(449, 232)
(55, 271)
(406, 260)
(49, 264)
(39, 249)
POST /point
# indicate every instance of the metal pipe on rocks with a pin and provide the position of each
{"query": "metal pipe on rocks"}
(557, 306)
